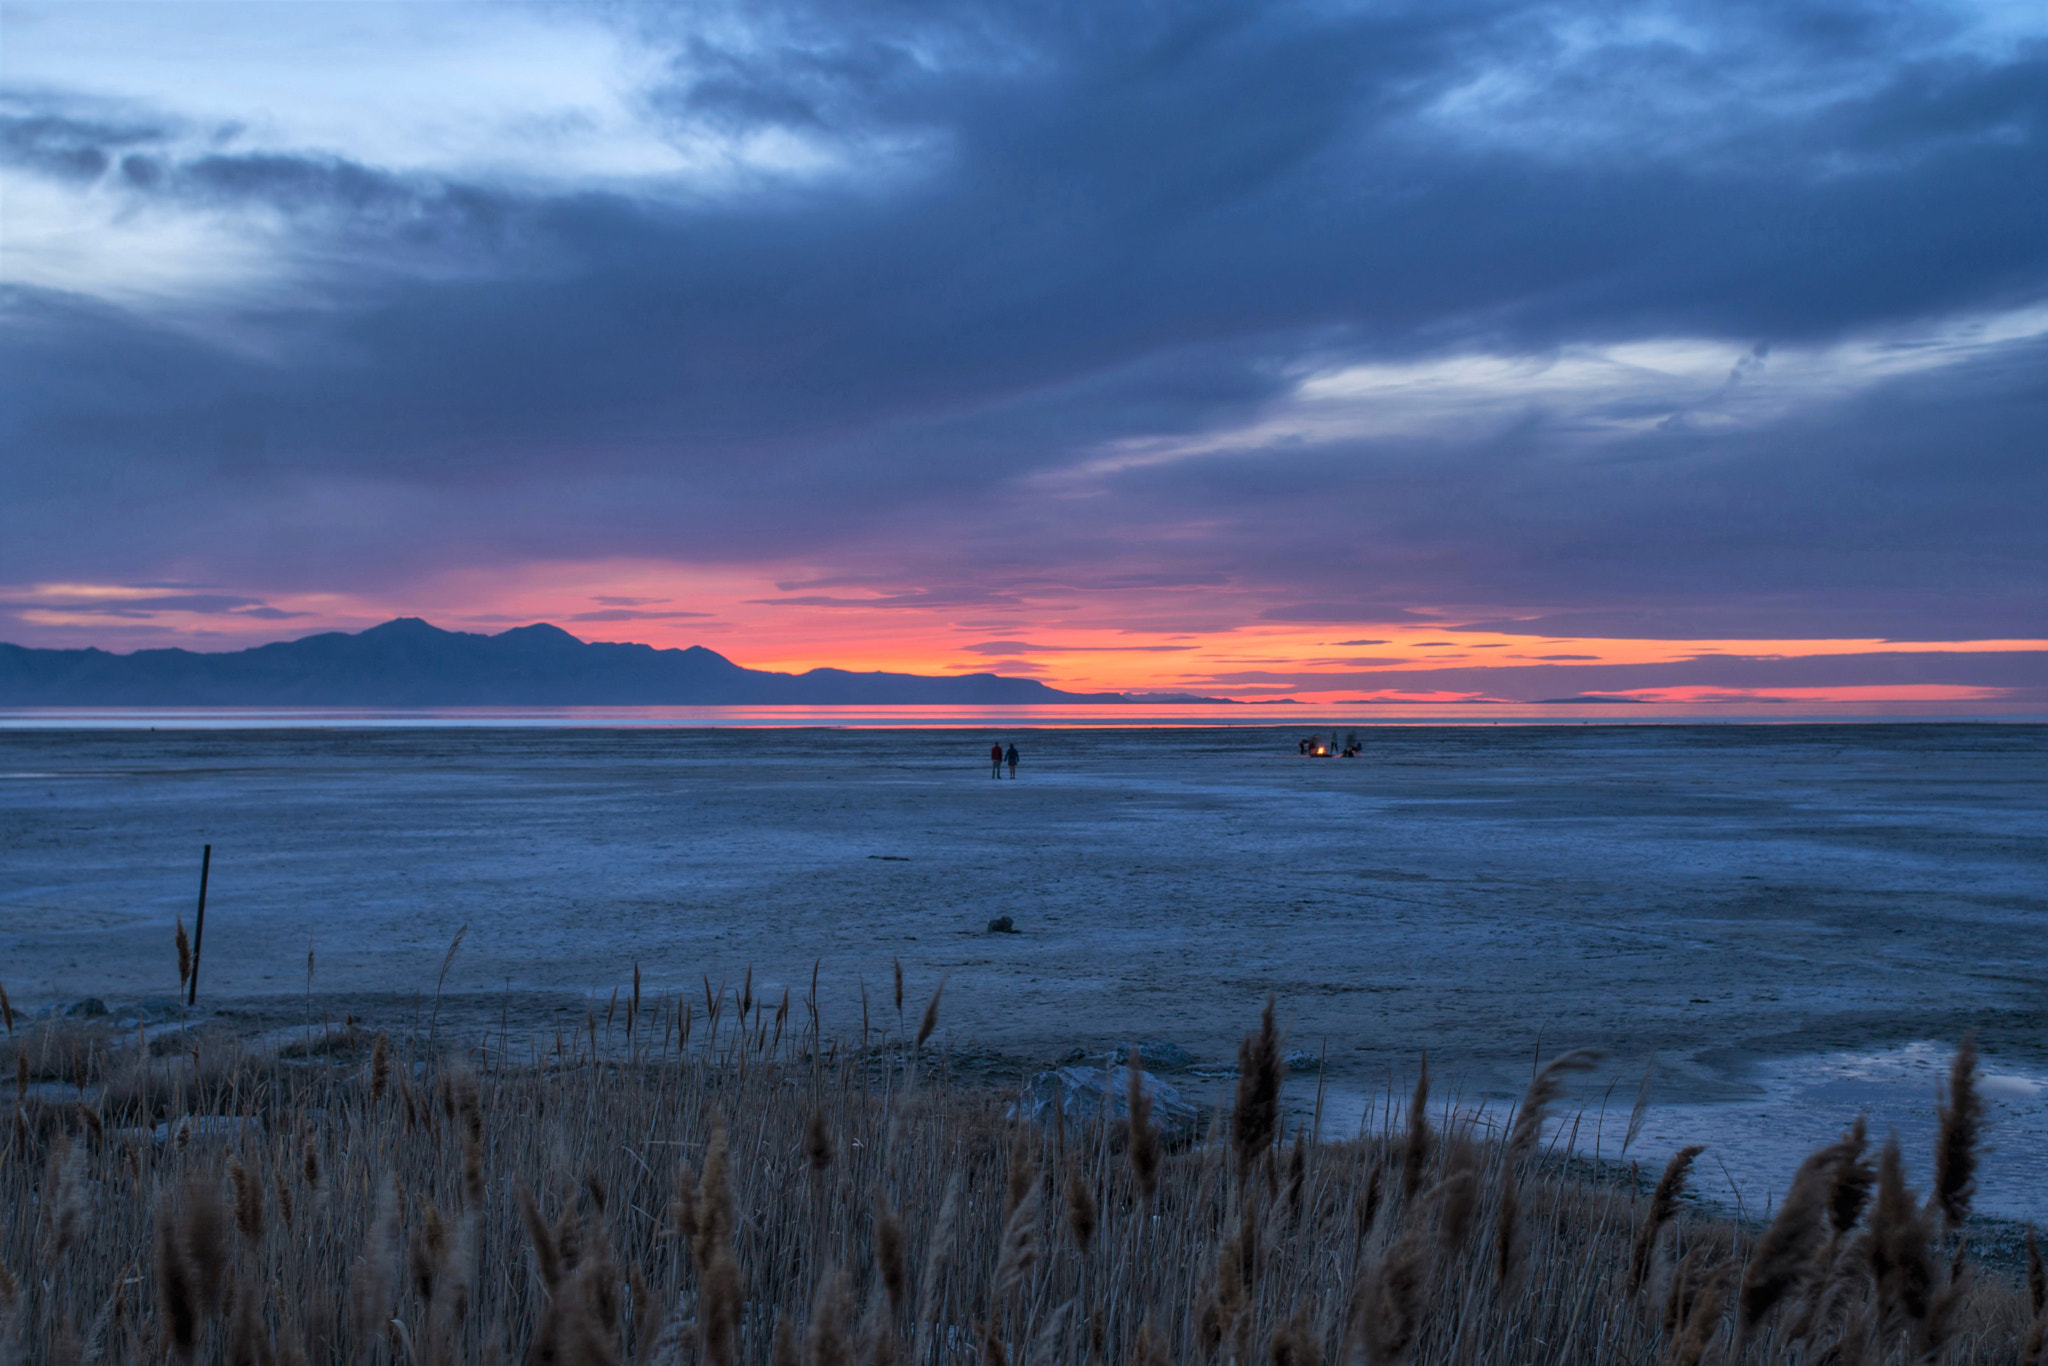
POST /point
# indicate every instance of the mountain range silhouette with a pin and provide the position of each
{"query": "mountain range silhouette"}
(409, 663)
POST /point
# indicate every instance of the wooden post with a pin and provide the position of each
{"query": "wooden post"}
(199, 925)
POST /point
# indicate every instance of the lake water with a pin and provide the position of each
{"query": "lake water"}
(1787, 923)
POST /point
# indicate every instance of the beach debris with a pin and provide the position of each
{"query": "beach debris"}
(1092, 1095)
(1003, 924)
(1301, 1060)
(91, 1007)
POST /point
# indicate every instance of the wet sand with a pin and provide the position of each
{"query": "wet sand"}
(1737, 902)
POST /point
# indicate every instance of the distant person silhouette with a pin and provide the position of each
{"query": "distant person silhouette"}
(1011, 758)
(995, 761)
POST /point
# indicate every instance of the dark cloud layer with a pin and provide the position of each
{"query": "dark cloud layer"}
(1128, 224)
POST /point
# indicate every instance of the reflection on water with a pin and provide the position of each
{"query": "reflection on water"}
(1308, 717)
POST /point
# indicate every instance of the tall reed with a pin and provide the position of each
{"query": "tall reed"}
(742, 1199)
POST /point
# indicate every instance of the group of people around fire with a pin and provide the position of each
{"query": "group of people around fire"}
(1314, 748)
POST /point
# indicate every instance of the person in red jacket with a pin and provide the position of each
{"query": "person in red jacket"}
(995, 761)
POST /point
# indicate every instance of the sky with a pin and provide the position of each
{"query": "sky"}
(1440, 351)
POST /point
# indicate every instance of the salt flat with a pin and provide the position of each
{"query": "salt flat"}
(1736, 901)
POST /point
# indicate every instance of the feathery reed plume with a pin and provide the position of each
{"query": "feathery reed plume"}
(447, 962)
(1019, 1248)
(1901, 1259)
(715, 1210)
(817, 1141)
(891, 1258)
(380, 1067)
(940, 1250)
(6, 1010)
(1783, 1260)
(545, 1259)
(96, 1335)
(248, 1204)
(1255, 1117)
(428, 1251)
(1246, 1247)
(682, 1211)
(205, 1229)
(249, 1343)
(176, 1297)
(1507, 1233)
(783, 1351)
(64, 1194)
(1297, 1343)
(184, 955)
(1543, 1092)
(992, 1353)
(373, 1279)
(1393, 1304)
(1944, 1310)
(568, 1236)
(309, 1167)
(1216, 1317)
(1849, 1189)
(1415, 1148)
(469, 1112)
(1955, 1147)
(1663, 1204)
(931, 1016)
(1455, 1198)
(1701, 1319)
(1147, 1350)
(1143, 1148)
(1297, 1174)
(283, 1191)
(1022, 1175)
(721, 1295)
(1081, 1212)
(1639, 1111)
(646, 1312)
(897, 963)
(1854, 1347)
(827, 1342)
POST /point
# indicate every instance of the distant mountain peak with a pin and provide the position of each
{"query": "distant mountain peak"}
(400, 628)
(540, 633)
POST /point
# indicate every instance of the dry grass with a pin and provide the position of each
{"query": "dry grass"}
(750, 1195)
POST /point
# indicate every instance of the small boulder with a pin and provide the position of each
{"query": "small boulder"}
(90, 1008)
(1002, 924)
(1093, 1095)
(1301, 1060)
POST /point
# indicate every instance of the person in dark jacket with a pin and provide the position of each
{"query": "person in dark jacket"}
(995, 761)
(1011, 758)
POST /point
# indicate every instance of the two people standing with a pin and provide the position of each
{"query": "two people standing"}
(996, 760)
